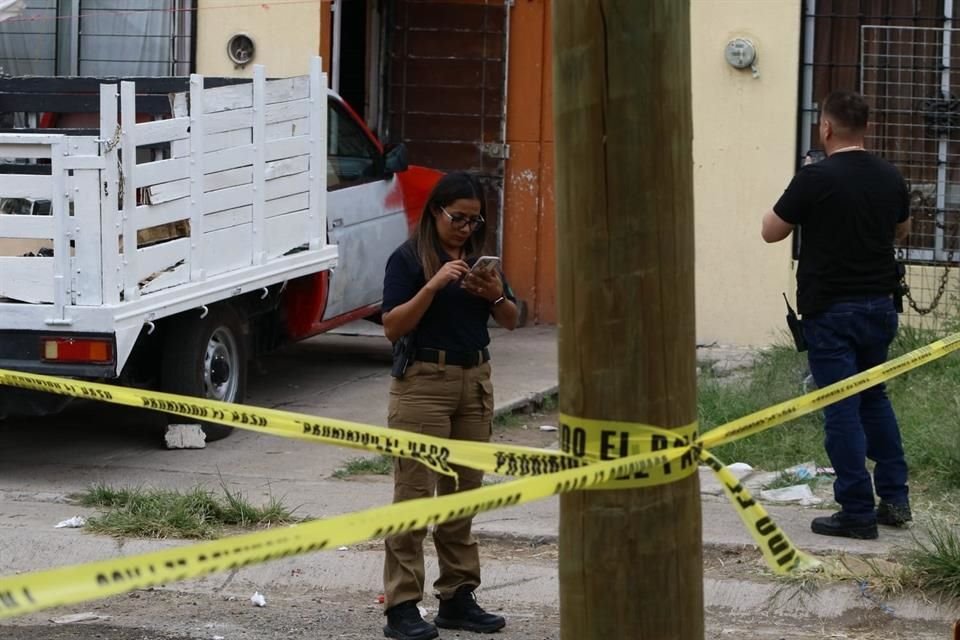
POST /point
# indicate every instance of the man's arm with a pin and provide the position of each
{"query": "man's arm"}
(774, 227)
(903, 230)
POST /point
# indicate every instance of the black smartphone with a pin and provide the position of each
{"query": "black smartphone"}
(815, 155)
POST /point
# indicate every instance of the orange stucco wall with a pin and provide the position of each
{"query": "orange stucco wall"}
(529, 236)
(326, 30)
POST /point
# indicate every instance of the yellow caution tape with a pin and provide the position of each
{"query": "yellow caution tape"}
(592, 440)
(68, 585)
(779, 552)
(436, 453)
(608, 440)
(648, 461)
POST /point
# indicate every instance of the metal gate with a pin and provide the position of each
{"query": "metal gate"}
(446, 80)
(906, 74)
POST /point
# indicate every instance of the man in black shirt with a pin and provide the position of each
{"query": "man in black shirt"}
(850, 207)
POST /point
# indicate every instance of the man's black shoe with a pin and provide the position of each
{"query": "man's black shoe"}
(404, 622)
(462, 612)
(894, 515)
(845, 526)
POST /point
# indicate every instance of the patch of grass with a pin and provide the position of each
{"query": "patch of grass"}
(876, 579)
(365, 466)
(935, 562)
(195, 514)
(926, 401)
(776, 375)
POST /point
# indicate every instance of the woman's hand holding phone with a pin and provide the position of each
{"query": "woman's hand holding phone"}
(485, 284)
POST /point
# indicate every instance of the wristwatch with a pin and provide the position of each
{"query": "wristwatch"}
(498, 301)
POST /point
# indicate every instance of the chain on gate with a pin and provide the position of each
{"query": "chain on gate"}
(941, 289)
(108, 146)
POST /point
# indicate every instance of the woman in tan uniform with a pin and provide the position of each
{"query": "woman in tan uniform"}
(430, 294)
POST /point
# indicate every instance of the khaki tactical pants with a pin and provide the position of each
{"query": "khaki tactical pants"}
(449, 402)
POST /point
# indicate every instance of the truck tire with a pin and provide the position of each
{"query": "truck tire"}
(207, 358)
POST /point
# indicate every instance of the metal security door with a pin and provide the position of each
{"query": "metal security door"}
(446, 72)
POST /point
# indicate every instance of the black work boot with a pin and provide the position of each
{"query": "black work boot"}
(404, 622)
(462, 612)
(844, 525)
(894, 515)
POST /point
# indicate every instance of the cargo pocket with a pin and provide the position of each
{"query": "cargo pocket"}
(486, 401)
(399, 389)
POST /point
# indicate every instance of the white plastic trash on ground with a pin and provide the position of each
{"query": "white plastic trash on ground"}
(74, 618)
(740, 469)
(799, 493)
(258, 600)
(72, 523)
(804, 471)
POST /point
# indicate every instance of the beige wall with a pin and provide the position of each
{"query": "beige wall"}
(743, 150)
(286, 36)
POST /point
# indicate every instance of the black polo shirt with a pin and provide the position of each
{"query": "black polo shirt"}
(847, 207)
(455, 321)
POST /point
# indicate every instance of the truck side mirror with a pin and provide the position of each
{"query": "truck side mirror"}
(395, 159)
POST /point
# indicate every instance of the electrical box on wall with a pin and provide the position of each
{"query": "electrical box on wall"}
(741, 53)
(240, 50)
(280, 36)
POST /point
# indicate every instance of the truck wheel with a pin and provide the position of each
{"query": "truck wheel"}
(207, 358)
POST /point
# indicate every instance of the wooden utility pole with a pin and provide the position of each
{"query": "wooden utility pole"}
(630, 560)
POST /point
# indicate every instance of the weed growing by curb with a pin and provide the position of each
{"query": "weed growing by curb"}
(195, 514)
(936, 561)
(524, 415)
(381, 465)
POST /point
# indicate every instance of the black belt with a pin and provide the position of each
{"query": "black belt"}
(456, 358)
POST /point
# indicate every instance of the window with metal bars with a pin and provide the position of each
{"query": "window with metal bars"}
(901, 54)
(99, 38)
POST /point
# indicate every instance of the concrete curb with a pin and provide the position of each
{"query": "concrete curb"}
(526, 401)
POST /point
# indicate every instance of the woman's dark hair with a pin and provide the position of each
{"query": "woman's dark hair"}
(458, 185)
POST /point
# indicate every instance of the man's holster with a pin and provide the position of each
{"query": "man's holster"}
(901, 288)
(795, 326)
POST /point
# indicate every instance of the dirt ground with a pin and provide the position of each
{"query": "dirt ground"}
(176, 615)
(179, 614)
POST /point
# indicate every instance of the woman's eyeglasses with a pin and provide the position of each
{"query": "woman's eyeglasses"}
(459, 222)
